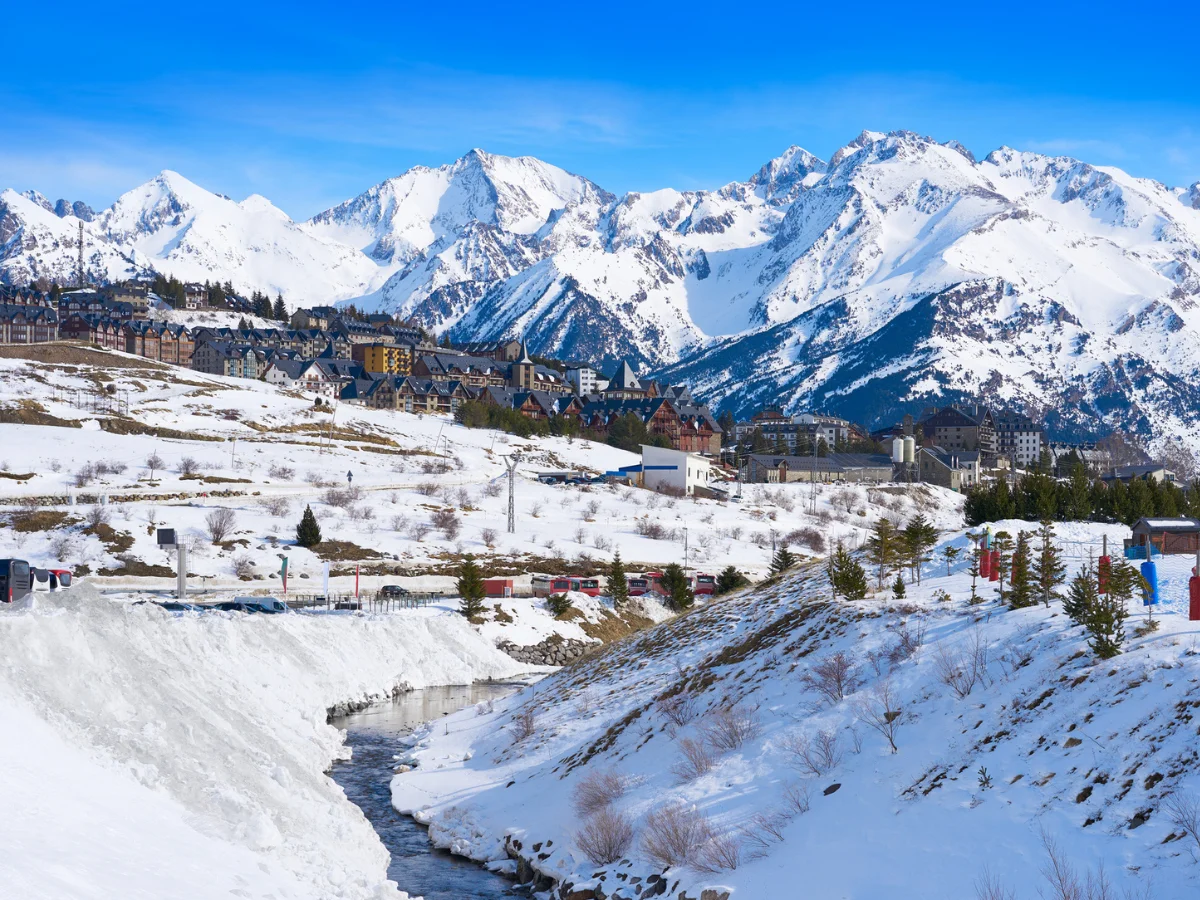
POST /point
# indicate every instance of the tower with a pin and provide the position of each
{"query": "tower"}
(79, 264)
(523, 370)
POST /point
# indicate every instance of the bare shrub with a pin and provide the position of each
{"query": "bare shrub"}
(650, 528)
(696, 759)
(62, 545)
(276, 506)
(988, 886)
(447, 522)
(524, 724)
(110, 467)
(763, 830)
(909, 639)
(97, 515)
(729, 727)
(806, 537)
(597, 791)
(436, 467)
(1060, 875)
(605, 837)
(281, 473)
(880, 711)
(188, 466)
(343, 498)
(961, 670)
(419, 530)
(489, 536)
(678, 709)
(399, 523)
(492, 489)
(602, 543)
(243, 567)
(674, 836)
(1183, 811)
(580, 535)
(721, 852)
(485, 708)
(427, 488)
(592, 507)
(834, 677)
(154, 463)
(220, 524)
(362, 513)
(795, 798)
(85, 475)
(816, 755)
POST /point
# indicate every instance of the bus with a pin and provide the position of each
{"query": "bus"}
(16, 580)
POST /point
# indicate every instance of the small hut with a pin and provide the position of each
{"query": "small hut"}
(1176, 535)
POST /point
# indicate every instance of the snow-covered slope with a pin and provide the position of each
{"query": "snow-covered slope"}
(780, 774)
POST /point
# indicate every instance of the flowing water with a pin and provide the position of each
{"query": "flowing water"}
(366, 778)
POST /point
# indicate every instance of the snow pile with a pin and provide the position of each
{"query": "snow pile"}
(1006, 728)
(154, 755)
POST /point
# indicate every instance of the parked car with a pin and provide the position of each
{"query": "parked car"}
(179, 606)
(233, 606)
(392, 592)
(16, 580)
(262, 604)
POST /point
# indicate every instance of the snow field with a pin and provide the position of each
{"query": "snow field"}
(1007, 728)
(154, 755)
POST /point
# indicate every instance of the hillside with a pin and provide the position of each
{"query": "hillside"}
(1008, 733)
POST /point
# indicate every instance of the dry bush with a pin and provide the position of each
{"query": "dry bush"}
(834, 677)
(243, 567)
(675, 835)
(436, 466)
(85, 475)
(362, 513)
(492, 489)
(62, 545)
(880, 711)
(188, 466)
(961, 670)
(1183, 811)
(806, 537)
(343, 498)
(602, 543)
(729, 727)
(536, 510)
(605, 837)
(763, 830)
(97, 515)
(651, 529)
(597, 791)
(427, 488)
(489, 536)
(110, 467)
(463, 498)
(720, 853)
(817, 755)
(220, 523)
(592, 507)
(281, 473)
(696, 759)
(524, 724)
(447, 522)
(580, 535)
(276, 506)
(909, 639)
(989, 887)
(418, 530)
(795, 798)
(678, 709)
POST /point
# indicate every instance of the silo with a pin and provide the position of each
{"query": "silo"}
(898, 450)
(910, 449)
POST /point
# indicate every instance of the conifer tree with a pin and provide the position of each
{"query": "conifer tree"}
(679, 592)
(470, 588)
(1020, 594)
(618, 585)
(846, 576)
(1107, 626)
(1081, 596)
(973, 571)
(1002, 544)
(279, 310)
(883, 547)
(729, 580)
(918, 536)
(784, 560)
(308, 532)
(898, 587)
(1048, 569)
(951, 553)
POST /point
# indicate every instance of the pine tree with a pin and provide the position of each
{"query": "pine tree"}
(1002, 544)
(883, 547)
(1020, 594)
(729, 580)
(618, 585)
(918, 536)
(679, 592)
(1048, 568)
(279, 310)
(973, 571)
(1081, 596)
(308, 532)
(951, 553)
(1107, 626)
(898, 587)
(846, 576)
(470, 588)
(784, 560)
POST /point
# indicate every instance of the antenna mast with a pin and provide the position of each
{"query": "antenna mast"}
(79, 264)
(511, 463)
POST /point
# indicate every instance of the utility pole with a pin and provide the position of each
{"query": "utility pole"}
(511, 463)
(79, 269)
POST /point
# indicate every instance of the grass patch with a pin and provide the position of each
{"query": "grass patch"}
(116, 541)
(13, 476)
(344, 551)
(216, 479)
(40, 520)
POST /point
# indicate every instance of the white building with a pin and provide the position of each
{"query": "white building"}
(586, 380)
(676, 470)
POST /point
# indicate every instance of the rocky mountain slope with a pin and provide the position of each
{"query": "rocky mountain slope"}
(901, 270)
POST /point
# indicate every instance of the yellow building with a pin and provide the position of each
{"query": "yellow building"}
(393, 359)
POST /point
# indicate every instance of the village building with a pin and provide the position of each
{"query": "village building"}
(867, 468)
(1167, 535)
(1147, 472)
(959, 428)
(676, 471)
(1018, 437)
(954, 469)
(390, 359)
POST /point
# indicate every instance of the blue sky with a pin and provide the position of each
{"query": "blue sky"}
(310, 104)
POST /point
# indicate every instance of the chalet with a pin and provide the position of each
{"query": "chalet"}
(28, 325)
(286, 372)
(852, 467)
(195, 296)
(959, 428)
(1147, 472)
(957, 470)
(625, 385)
(317, 317)
(1064, 457)
(473, 371)
(353, 331)
(220, 358)
(420, 395)
(501, 351)
(1167, 535)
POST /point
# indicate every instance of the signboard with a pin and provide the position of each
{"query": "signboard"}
(166, 538)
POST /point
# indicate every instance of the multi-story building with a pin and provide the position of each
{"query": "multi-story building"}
(1018, 437)
(959, 428)
(391, 359)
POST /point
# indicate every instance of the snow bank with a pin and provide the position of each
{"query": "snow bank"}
(155, 755)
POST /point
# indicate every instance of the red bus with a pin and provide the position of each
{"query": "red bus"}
(704, 585)
(589, 586)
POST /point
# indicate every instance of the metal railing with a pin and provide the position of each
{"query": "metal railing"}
(366, 602)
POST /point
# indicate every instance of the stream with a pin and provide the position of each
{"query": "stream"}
(416, 866)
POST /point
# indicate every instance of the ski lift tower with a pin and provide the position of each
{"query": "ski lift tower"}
(511, 463)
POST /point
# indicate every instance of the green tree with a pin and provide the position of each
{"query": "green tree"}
(679, 592)
(1081, 596)
(308, 532)
(1141, 501)
(951, 553)
(973, 570)
(279, 310)
(730, 579)
(470, 588)
(846, 576)
(1079, 497)
(898, 587)
(728, 427)
(1103, 615)
(916, 540)
(1020, 593)
(883, 549)
(618, 585)
(784, 560)
(1002, 544)
(1048, 569)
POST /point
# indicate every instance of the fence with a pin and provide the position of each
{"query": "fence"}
(367, 602)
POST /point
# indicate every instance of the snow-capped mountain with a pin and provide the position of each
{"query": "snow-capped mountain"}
(173, 226)
(900, 270)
